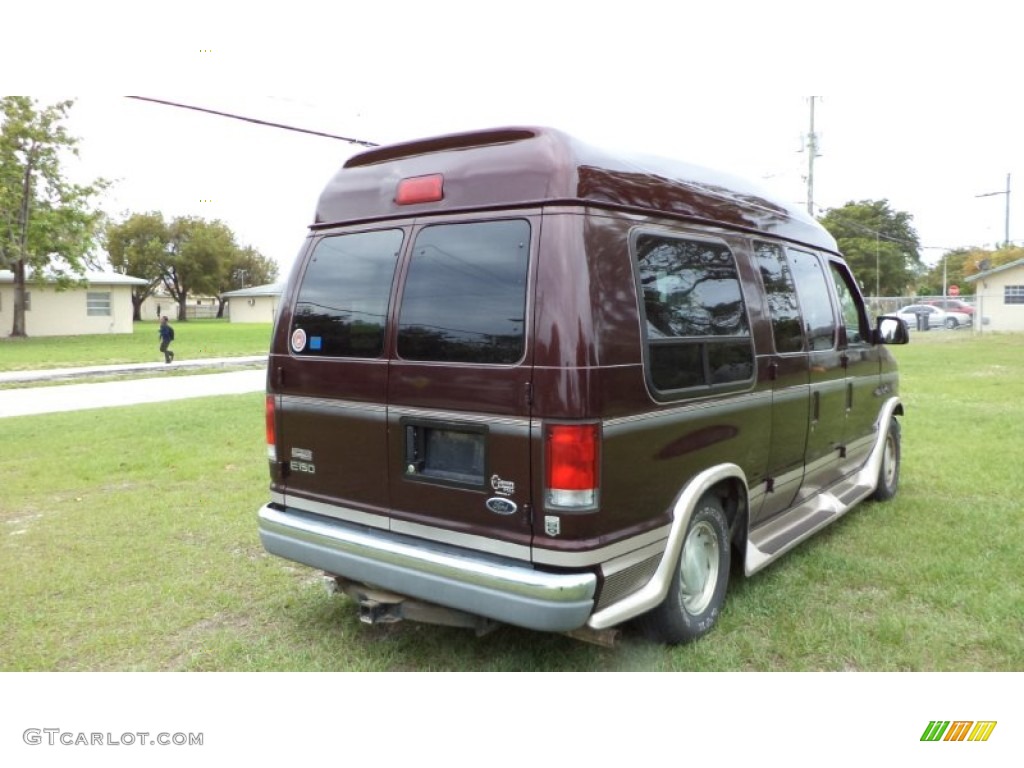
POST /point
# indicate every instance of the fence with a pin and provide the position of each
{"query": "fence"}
(890, 305)
(201, 311)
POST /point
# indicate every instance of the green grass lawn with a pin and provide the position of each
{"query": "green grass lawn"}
(193, 339)
(128, 542)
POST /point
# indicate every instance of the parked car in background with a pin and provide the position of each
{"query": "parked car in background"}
(937, 318)
(952, 305)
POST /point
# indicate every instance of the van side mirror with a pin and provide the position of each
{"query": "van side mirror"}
(891, 330)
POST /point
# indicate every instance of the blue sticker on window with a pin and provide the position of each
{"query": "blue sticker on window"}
(314, 342)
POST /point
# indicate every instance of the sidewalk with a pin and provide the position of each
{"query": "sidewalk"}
(153, 389)
(50, 374)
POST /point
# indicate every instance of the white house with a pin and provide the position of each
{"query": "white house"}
(254, 305)
(157, 305)
(1000, 297)
(102, 305)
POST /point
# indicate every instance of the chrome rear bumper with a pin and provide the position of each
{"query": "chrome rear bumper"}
(500, 589)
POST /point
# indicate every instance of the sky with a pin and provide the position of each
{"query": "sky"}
(916, 107)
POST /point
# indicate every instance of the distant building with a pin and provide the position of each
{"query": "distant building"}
(102, 305)
(157, 305)
(999, 297)
(253, 305)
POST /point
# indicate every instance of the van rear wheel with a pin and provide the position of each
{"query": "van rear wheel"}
(889, 472)
(697, 590)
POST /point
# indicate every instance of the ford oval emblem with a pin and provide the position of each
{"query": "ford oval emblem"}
(501, 506)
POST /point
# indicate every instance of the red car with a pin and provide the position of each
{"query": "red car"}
(952, 305)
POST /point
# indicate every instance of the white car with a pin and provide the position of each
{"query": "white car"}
(937, 318)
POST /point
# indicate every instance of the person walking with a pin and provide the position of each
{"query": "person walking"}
(166, 337)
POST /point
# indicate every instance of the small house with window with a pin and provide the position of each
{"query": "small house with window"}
(257, 304)
(1000, 297)
(101, 303)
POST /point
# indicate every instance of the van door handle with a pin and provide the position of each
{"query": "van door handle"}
(414, 449)
(815, 406)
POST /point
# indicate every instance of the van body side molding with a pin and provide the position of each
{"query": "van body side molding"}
(655, 590)
(768, 542)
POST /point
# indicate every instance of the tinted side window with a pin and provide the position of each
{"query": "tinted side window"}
(342, 306)
(465, 295)
(812, 286)
(781, 292)
(854, 317)
(696, 322)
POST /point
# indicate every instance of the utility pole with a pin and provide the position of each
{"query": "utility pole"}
(812, 152)
(878, 269)
(1006, 234)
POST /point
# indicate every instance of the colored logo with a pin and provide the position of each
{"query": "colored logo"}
(959, 730)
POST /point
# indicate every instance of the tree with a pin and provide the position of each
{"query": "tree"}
(980, 260)
(47, 225)
(248, 268)
(188, 255)
(948, 271)
(880, 244)
(961, 263)
(199, 253)
(137, 247)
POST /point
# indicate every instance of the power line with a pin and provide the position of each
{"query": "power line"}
(1007, 193)
(856, 224)
(243, 118)
(878, 234)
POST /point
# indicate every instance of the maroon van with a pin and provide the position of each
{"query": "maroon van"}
(518, 379)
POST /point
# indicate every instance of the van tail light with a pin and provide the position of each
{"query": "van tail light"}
(420, 189)
(271, 429)
(571, 471)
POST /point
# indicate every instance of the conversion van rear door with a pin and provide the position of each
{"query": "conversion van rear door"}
(331, 411)
(458, 386)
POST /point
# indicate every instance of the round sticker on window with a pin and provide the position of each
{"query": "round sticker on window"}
(298, 339)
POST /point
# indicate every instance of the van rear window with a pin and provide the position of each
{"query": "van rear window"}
(342, 306)
(696, 322)
(465, 294)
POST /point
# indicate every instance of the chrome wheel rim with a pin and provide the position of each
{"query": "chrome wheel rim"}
(698, 568)
(889, 461)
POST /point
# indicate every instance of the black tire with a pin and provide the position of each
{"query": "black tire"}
(889, 472)
(951, 323)
(697, 590)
